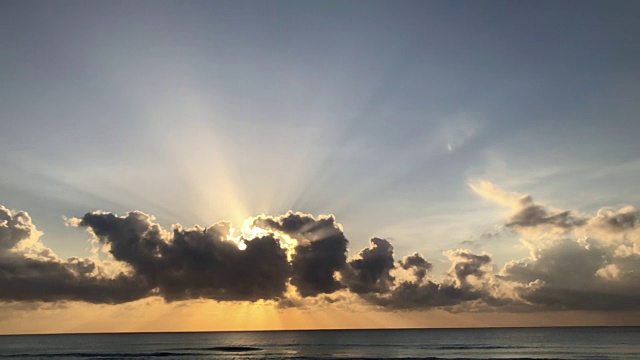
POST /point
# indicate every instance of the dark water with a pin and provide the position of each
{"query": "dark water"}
(510, 343)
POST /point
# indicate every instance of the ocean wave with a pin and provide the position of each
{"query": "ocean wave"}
(222, 348)
(474, 347)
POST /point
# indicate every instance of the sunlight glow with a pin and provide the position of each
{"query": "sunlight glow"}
(242, 245)
(251, 231)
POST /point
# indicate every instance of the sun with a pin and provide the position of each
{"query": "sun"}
(242, 245)
(250, 231)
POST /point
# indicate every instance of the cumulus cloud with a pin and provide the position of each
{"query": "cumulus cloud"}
(573, 276)
(208, 263)
(41, 276)
(465, 282)
(320, 254)
(369, 271)
(196, 262)
(576, 262)
(467, 265)
(417, 264)
(15, 227)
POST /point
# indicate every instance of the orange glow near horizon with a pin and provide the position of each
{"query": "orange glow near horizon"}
(155, 315)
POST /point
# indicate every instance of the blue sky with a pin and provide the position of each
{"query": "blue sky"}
(379, 112)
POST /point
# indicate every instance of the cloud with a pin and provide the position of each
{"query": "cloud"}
(576, 262)
(417, 264)
(369, 271)
(465, 281)
(526, 213)
(14, 228)
(196, 262)
(537, 223)
(571, 276)
(321, 251)
(466, 265)
(491, 192)
(23, 279)
(208, 263)
(487, 237)
(28, 275)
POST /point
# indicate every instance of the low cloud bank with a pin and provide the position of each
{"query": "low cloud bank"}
(576, 262)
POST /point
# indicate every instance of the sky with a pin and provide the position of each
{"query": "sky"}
(251, 165)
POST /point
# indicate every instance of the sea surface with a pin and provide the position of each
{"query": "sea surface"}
(502, 343)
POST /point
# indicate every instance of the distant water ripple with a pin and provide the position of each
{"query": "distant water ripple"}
(511, 343)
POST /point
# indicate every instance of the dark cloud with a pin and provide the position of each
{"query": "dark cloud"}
(574, 276)
(455, 289)
(369, 271)
(576, 263)
(410, 295)
(417, 264)
(206, 263)
(321, 251)
(133, 239)
(466, 264)
(194, 263)
(201, 266)
(24, 279)
(532, 214)
(41, 276)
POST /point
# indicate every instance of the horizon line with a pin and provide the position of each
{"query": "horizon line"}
(331, 329)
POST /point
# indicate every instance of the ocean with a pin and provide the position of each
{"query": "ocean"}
(494, 343)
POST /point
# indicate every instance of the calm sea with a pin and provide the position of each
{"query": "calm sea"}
(505, 343)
